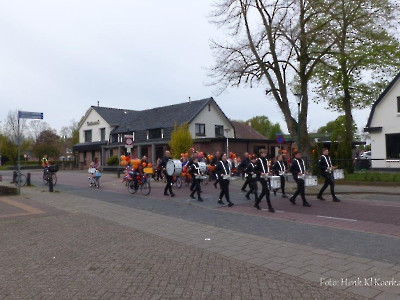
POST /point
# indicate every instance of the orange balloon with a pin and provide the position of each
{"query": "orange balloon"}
(143, 164)
(149, 165)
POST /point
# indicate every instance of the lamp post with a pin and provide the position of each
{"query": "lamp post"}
(227, 130)
(299, 97)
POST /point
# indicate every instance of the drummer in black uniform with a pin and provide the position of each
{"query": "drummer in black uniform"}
(262, 170)
(243, 165)
(326, 168)
(169, 178)
(279, 169)
(194, 172)
(214, 162)
(250, 172)
(223, 170)
(298, 168)
(189, 165)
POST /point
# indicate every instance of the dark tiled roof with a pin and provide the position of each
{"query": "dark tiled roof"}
(243, 131)
(112, 116)
(161, 117)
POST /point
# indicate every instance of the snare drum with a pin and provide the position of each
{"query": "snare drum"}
(310, 180)
(338, 174)
(201, 177)
(202, 167)
(174, 167)
(275, 182)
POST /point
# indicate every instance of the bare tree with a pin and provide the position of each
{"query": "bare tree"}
(277, 43)
(36, 127)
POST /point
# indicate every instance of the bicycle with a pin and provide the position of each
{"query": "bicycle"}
(94, 177)
(20, 178)
(139, 182)
(49, 173)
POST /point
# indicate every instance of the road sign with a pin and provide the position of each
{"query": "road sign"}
(129, 140)
(30, 115)
(280, 139)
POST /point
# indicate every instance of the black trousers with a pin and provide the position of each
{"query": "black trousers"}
(253, 188)
(282, 184)
(247, 182)
(328, 181)
(193, 185)
(264, 192)
(224, 183)
(197, 187)
(168, 186)
(300, 190)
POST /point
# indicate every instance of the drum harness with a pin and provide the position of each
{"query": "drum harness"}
(329, 164)
(229, 167)
(304, 167)
(280, 166)
(262, 164)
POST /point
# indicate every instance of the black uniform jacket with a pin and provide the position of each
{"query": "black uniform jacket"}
(223, 168)
(324, 162)
(296, 167)
(278, 167)
(261, 166)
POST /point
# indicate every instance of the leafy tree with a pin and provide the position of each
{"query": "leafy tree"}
(275, 43)
(339, 145)
(365, 53)
(48, 143)
(264, 126)
(181, 140)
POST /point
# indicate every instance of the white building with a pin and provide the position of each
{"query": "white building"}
(384, 128)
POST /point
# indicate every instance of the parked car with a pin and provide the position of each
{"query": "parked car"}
(366, 155)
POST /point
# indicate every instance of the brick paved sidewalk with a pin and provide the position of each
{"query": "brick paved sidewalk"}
(299, 260)
(79, 256)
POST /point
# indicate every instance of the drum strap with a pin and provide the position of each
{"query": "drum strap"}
(282, 166)
(262, 164)
(304, 168)
(328, 161)
(223, 165)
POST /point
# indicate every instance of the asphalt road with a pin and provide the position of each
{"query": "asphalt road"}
(372, 246)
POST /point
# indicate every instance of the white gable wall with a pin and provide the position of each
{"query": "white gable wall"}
(210, 118)
(385, 116)
(94, 122)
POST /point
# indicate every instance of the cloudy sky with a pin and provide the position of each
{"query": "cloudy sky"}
(61, 57)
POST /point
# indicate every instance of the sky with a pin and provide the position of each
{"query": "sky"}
(61, 57)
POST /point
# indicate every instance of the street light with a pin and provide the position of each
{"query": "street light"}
(299, 97)
(227, 130)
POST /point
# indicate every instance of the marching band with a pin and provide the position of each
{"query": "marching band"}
(271, 177)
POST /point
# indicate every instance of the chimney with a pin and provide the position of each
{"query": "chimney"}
(98, 103)
(189, 99)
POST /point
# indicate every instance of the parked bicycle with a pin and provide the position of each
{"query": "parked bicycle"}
(49, 173)
(137, 182)
(20, 178)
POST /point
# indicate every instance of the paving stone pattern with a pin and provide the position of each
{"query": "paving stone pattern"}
(77, 256)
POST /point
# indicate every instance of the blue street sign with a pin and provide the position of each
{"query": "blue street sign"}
(280, 139)
(30, 115)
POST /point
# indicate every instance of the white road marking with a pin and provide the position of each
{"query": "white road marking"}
(337, 218)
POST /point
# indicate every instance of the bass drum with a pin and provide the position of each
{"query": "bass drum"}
(174, 167)
(202, 167)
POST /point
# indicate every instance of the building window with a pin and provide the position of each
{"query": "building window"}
(154, 134)
(102, 134)
(393, 146)
(114, 138)
(398, 105)
(88, 136)
(219, 130)
(200, 129)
